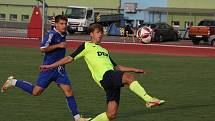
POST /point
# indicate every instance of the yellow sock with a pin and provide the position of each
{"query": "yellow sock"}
(101, 117)
(140, 91)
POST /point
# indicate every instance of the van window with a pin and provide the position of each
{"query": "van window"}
(89, 13)
(207, 23)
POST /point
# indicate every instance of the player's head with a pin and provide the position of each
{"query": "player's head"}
(61, 23)
(96, 32)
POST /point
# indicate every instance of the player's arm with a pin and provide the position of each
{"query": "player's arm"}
(47, 46)
(128, 69)
(75, 55)
(124, 68)
(50, 48)
(63, 61)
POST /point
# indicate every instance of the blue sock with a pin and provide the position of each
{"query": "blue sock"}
(26, 86)
(72, 105)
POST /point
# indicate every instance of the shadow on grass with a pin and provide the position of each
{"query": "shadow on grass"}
(167, 109)
(133, 113)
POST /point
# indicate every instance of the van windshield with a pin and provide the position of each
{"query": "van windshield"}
(207, 23)
(76, 13)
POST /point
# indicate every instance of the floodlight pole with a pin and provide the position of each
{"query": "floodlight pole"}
(43, 16)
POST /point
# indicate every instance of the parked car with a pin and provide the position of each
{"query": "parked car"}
(163, 32)
(205, 31)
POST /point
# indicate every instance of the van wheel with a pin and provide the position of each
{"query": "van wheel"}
(196, 42)
(158, 37)
(213, 42)
(175, 37)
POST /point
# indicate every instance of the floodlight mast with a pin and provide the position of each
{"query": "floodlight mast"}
(44, 5)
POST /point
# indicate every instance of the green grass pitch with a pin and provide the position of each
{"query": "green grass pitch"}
(186, 83)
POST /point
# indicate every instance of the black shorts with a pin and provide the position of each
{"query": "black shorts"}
(112, 83)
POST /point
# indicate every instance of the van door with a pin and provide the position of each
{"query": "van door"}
(90, 16)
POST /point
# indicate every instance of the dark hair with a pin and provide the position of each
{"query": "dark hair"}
(60, 17)
(95, 26)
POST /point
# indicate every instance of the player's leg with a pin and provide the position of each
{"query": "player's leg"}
(43, 81)
(111, 113)
(37, 90)
(112, 110)
(64, 84)
(29, 88)
(113, 98)
(24, 85)
(112, 83)
(70, 100)
(135, 87)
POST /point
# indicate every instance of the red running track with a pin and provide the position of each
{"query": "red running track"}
(174, 50)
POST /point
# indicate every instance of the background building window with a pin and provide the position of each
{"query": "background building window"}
(25, 17)
(13, 17)
(130, 7)
(2, 16)
(188, 24)
(175, 24)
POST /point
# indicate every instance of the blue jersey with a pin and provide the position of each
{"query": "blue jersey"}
(58, 74)
(51, 38)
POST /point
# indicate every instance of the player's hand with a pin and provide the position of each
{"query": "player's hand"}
(62, 45)
(45, 68)
(139, 71)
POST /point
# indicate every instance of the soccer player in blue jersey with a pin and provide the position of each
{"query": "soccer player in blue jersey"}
(54, 47)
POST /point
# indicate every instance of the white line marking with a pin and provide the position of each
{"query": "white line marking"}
(121, 43)
(139, 44)
(25, 38)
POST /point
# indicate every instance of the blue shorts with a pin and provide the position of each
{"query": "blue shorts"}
(58, 75)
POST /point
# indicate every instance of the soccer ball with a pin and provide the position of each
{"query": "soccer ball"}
(144, 34)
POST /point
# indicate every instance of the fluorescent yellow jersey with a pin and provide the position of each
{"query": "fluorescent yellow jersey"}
(97, 58)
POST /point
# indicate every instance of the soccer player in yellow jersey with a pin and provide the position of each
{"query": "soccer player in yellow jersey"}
(106, 73)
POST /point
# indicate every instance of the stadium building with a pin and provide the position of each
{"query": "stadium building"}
(178, 13)
(19, 11)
